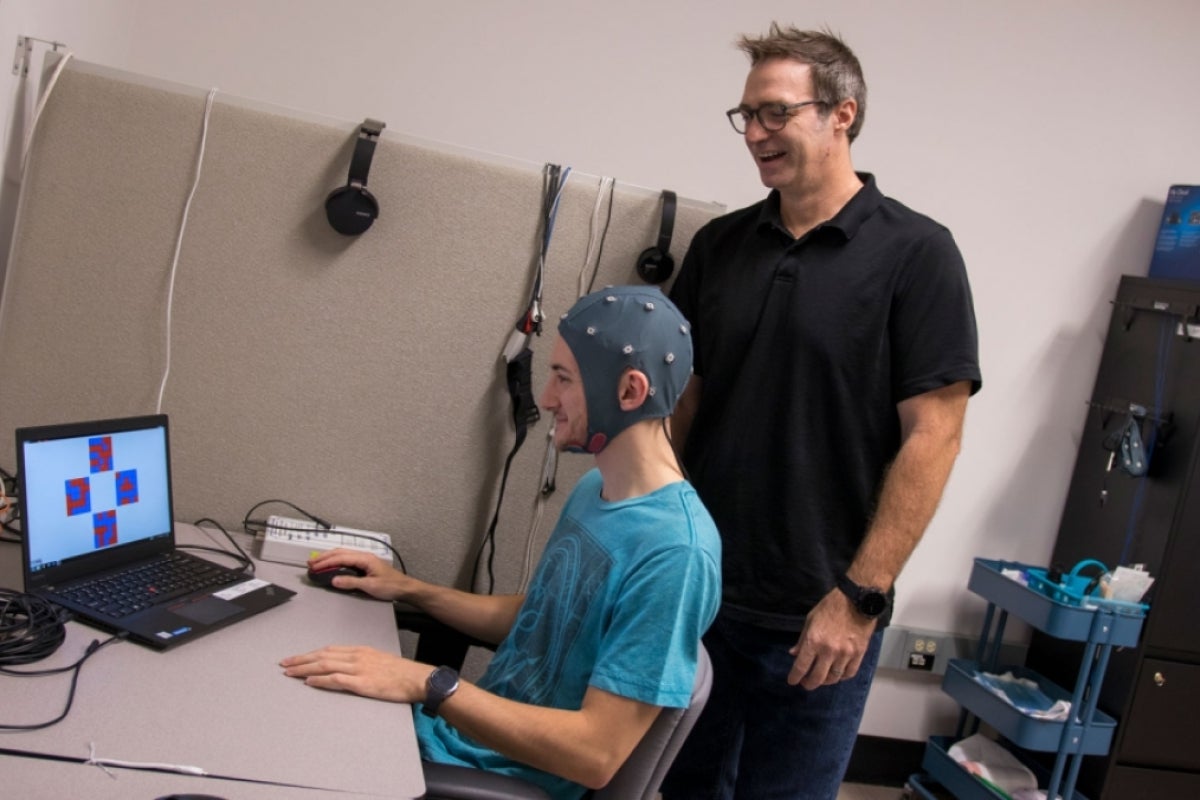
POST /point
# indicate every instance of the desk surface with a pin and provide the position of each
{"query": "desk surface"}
(43, 779)
(221, 702)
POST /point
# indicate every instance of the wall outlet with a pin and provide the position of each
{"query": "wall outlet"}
(921, 650)
(915, 650)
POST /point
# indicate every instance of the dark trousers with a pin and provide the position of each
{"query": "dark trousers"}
(761, 739)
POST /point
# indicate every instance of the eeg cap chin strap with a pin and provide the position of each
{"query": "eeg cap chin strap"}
(620, 328)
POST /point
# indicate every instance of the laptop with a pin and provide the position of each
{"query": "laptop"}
(99, 537)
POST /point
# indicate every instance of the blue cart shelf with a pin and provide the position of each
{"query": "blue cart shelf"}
(1099, 624)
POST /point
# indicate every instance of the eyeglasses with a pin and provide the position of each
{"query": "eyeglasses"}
(771, 116)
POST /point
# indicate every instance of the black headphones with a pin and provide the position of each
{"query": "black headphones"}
(351, 209)
(655, 264)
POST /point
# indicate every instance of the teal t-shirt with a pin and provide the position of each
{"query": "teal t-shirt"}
(619, 600)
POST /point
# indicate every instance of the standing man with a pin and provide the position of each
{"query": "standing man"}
(609, 632)
(835, 351)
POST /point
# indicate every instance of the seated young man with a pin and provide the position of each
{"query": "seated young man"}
(609, 631)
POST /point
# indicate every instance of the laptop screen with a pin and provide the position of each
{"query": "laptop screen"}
(93, 487)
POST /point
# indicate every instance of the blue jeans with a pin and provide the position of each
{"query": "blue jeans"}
(761, 739)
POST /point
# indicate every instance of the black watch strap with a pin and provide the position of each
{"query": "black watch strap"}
(870, 601)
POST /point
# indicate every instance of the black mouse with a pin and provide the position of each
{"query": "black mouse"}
(325, 577)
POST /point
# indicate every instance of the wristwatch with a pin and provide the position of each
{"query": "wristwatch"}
(869, 600)
(442, 683)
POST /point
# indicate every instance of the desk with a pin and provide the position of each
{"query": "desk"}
(43, 779)
(221, 702)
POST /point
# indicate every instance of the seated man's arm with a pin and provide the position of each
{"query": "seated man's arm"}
(488, 618)
(485, 617)
(587, 746)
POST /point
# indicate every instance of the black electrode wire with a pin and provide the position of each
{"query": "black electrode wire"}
(95, 646)
(554, 180)
(32, 629)
(550, 173)
(550, 188)
(261, 525)
(489, 539)
(666, 427)
(244, 559)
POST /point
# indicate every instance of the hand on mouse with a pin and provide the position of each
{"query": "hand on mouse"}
(378, 578)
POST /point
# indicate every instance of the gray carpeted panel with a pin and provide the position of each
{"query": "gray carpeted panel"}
(358, 377)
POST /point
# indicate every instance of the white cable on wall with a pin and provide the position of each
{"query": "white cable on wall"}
(591, 261)
(162, 387)
(41, 104)
(546, 487)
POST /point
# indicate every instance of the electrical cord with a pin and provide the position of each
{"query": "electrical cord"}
(187, 206)
(666, 428)
(518, 356)
(612, 199)
(32, 629)
(596, 236)
(587, 279)
(554, 180)
(244, 559)
(41, 106)
(260, 525)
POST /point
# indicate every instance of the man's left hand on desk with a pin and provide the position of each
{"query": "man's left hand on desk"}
(361, 670)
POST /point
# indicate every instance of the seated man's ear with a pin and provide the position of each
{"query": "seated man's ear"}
(633, 389)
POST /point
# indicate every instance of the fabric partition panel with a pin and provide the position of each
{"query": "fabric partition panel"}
(358, 377)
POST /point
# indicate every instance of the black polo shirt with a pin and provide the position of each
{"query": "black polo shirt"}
(805, 346)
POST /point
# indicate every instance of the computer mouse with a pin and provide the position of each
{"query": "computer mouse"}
(325, 577)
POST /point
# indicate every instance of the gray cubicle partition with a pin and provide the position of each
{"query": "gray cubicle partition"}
(359, 377)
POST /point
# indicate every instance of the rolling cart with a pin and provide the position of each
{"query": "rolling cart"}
(1063, 609)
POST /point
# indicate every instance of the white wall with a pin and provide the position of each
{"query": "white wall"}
(1044, 134)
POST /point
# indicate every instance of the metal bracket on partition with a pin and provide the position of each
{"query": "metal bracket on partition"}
(24, 53)
(1188, 327)
(1114, 406)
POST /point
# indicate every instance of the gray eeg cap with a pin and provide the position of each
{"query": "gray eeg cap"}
(624, 327)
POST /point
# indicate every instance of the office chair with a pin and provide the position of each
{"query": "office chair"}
(637, 779)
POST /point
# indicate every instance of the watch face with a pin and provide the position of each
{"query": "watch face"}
(868, 600)
(443, 679)
(872, 604)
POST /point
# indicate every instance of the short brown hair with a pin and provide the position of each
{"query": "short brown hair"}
(836, 73)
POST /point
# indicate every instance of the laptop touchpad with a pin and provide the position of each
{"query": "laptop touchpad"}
(206, 610)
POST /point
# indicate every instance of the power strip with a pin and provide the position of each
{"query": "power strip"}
(294, 541)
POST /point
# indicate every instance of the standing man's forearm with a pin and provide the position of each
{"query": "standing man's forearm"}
(932, 433)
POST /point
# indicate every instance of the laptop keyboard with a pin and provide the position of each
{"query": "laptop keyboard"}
(173, 576)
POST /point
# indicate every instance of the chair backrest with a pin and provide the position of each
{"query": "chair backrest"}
(642, 773)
